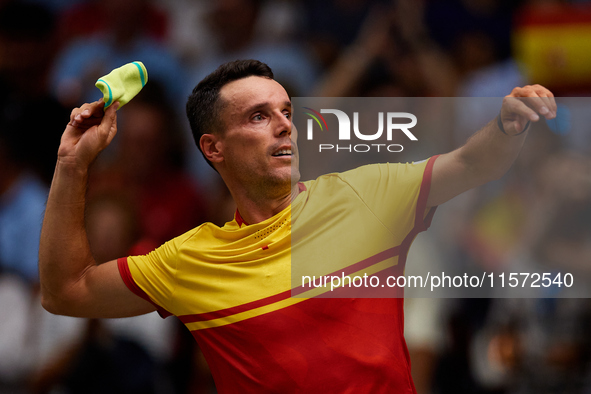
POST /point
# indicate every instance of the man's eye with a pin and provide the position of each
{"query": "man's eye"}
(287, 115)
(257, 117)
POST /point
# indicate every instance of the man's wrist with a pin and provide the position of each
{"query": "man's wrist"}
(71, 166)
(500, 126)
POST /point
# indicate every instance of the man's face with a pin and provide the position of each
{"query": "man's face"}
(257, 143)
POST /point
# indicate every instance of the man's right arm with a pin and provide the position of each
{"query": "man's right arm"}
(72, 283)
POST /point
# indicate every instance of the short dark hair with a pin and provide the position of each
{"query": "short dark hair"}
(204, 106)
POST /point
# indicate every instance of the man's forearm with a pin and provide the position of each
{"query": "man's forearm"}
(64, 252)
(489, 153)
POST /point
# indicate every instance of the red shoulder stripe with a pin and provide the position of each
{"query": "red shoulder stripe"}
(135, 289)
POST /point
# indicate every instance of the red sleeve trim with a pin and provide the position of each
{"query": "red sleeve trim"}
(125, 273)
(422, 222)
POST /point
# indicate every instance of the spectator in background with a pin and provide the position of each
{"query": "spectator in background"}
(234, 26)
(22, 203)
(123, 40)
(392, 56)
(542, 344)
(333, 25)
(27, 47)
(91, 17)
(475, 32)
(57, 5)
(22, 193)
(424, 317)
(112, 225)
(27, 43)
(28, 335)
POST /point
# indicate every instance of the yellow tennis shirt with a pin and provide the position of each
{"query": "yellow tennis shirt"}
(262, 327)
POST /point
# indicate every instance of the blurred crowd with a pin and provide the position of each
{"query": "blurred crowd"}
(151, 184)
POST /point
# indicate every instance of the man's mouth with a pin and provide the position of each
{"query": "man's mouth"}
(282, 152)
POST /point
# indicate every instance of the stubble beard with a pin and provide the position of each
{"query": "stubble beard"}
(273, 186)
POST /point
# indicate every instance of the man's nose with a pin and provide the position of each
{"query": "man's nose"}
(284, 125)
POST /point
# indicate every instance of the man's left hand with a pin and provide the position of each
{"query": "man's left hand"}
(525, 105)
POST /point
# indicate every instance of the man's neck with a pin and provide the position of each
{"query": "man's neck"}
(257, 210)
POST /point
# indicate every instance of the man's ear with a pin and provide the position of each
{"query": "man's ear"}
(210, 146)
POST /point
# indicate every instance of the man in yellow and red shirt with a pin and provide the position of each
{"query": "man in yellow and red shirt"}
(232, 286)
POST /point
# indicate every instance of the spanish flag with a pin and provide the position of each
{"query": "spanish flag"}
(553, 44)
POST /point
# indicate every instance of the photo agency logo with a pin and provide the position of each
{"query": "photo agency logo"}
(390, 126)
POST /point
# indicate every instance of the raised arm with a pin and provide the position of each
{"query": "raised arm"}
(72, 283)
(489, 153)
